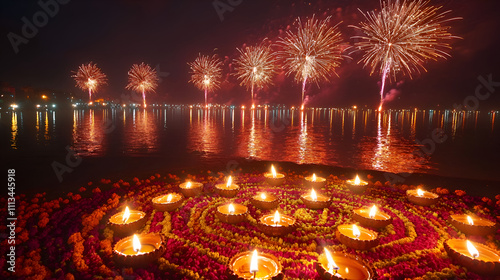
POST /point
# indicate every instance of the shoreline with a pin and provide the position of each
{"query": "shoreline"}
(42, 178)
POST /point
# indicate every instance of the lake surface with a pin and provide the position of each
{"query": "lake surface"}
(467, 144)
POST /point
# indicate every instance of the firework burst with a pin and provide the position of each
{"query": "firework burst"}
(206, 73)
(255, 67)
(89, 77)
(313, 52)
(142, 78)
(401, 37)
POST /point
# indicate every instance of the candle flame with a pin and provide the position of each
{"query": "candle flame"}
(136, 244)
(347, 270)
(373, 212)
(169, 198)
(188, 185)
(331, 264)
(355, 231)
(469, 219)
(263, 195)
(231, 208)
(314, 177)
(420, 192)
(126, 214)
(277, 218)
(254, 265)
(313, 195)
(229, 182)
(273, 171)
(357, 181)
(472, 250)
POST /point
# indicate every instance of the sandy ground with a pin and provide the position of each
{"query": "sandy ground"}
(37, 175)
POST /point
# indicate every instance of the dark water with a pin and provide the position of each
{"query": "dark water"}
(393, 141)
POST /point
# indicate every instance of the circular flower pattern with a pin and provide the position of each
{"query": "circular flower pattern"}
(68, 237)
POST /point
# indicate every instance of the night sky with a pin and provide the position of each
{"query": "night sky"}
(117, 34)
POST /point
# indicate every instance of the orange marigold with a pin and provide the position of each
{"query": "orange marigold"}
(460, 192)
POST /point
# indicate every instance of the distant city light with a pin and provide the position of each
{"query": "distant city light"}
(44, 96)
(14, 106)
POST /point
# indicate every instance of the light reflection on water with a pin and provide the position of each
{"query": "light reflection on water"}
(361, 139)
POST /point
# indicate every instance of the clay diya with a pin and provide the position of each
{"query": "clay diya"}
(421, 197)
(358, 238)
(472, 225)
(316, 201)
(127, 222)
(254, 265)
(372, 217)
(227, 190)
(314, 182)
(273, 178)
(169, 202)
(191, 189)
(474, 256)
(357, 185)
(232, 213)
(339, 266)
(276, 224)
(139, 250)
(265, 201)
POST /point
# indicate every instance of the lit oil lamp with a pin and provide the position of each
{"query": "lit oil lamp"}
(273, 178)
(421, 197)
(276, 224)
(127, 222)
(232, 213)
(169, 202)
(316, 201)
(358, 238)
(340, 265)
(475, 256)
(254, 265)
(357, 185)
(473, 225)
(265, 201)
(139, 250)
(372, 217)
(315, 182)
(191, 189)
(227, 190)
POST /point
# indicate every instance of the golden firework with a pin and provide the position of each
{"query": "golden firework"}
(312, 52)
(401, 37)
(89, 77)
(206, 73)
